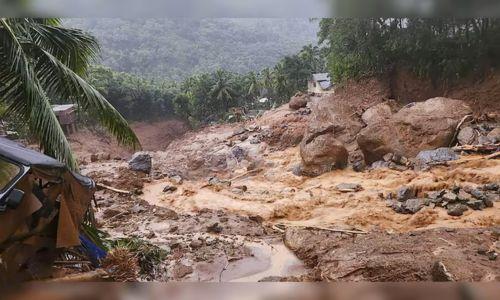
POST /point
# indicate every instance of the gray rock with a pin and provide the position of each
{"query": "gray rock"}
(358, 166)
(297, 170)
(491, 187)
(169, 189)
(440, 155)
(388, 157)
(477, 194)
(349, 187)
(440, 273)
(414, 205)
(476, 204)
(488, 202)
(449, 197)
(239, 153)
(456, 209)
(140, 162)
(177, 179)
(483, 140)
(466, 136)
(214, 228)
(436, 195)
(494, 135)
(463, 196)
(405, 193)
(380, 164)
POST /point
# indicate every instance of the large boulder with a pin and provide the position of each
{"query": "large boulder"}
(321, 153)
(141, 162)
(418, 126)
(377, 113)
(298, 101)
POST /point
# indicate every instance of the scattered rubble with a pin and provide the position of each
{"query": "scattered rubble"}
(457, 200)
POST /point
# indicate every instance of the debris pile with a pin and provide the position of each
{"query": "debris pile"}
(456, 200)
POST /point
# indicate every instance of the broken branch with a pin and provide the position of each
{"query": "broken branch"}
(102, 186)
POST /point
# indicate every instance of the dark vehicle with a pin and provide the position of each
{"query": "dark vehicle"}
(42, 206)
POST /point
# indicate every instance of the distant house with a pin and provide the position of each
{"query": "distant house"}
(66, 115)
(319, 83)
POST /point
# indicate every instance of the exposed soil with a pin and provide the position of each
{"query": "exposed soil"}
(233, 196)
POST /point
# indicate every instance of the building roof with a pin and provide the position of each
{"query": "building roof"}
(63, 107)
(321, 77)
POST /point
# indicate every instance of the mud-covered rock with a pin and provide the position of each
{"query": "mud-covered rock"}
(140, 162)
(321, 153)
(405, 193)
(456, 209)
(466, 136)
(494, 135)
(416, 127)
(376, 113)
(298, 101)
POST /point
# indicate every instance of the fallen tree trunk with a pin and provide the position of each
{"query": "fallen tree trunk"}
(102, 186)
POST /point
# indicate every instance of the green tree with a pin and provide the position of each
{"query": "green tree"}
(42, 61)
(222, 90)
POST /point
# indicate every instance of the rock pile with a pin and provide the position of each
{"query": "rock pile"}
(456, 200)
(479, 134)
(392, 161)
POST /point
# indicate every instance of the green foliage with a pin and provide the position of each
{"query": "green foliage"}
(440, 48)
(149, 256)
(136, 98)
(40, 62)
(175, 49)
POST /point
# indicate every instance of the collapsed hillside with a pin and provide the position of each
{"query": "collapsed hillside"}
(223, 199)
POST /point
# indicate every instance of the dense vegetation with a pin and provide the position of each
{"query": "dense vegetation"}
(178, 48)
(207, 97)
(41, 62)
(440, 48)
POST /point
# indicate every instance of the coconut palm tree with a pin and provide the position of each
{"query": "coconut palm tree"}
(41, 61)
(222, 90)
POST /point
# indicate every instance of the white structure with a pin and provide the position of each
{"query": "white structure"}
(319, 83)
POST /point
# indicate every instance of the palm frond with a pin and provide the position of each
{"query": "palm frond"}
(58, 79)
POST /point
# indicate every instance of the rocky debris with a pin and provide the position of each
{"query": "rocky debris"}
(410, 256)
(404, 193)
(321, 153)
(456, 200)
(410, 206)
(140, 162)
(359, 166)
(494, 135)
(238, 153)
(438, 156)
(456, 209)
(377, 113)
(392, 161)
(479, 134)
(440, 273)
(419, 126)
(169, 189)
(298, 101)
(349, 187)
(466, 136)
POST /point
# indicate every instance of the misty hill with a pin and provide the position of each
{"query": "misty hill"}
(176, 48)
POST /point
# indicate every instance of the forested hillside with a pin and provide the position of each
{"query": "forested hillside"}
(178, 48)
